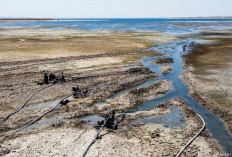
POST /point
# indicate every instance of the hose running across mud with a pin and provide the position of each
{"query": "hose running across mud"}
(182, 150)
(99, 131)
(28, 99)
(55, 107)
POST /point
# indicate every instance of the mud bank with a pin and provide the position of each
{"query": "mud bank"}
(194, 85)
(127, 101)
(99, 87)
(165, 69)
(136, 97)
(207, 74)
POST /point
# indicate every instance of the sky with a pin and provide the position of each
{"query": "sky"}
(114, 8)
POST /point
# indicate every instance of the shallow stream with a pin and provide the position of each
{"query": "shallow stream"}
(214, 125)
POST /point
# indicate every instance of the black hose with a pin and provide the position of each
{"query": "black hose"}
(28, 99)
(55, 107)
(58, 105)
(96, 137)
(192, 139)
(119, 121)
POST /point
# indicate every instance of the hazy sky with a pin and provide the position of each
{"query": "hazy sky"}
(114, 8)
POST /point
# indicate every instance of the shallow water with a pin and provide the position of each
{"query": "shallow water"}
(48, 121)
(49, 104)
(214, 125)
(176, 26)
(92, 120)
(174, 120)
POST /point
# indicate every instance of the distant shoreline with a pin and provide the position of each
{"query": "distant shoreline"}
(54, 19)
(27, 19)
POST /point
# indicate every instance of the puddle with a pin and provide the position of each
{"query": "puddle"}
(174, 120)
(47, 121)
(92, 120)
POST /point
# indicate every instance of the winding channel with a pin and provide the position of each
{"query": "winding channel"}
(216, 127)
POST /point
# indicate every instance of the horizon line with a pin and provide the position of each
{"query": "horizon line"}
(114, 17)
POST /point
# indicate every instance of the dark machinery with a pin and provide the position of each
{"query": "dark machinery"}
(46, 81)
(52, 79)
(76, 91)
(62, 79)
(111, 121)
(64, 102)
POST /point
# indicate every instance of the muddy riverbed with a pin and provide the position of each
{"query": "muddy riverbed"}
(142, 138)
(160, 114)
